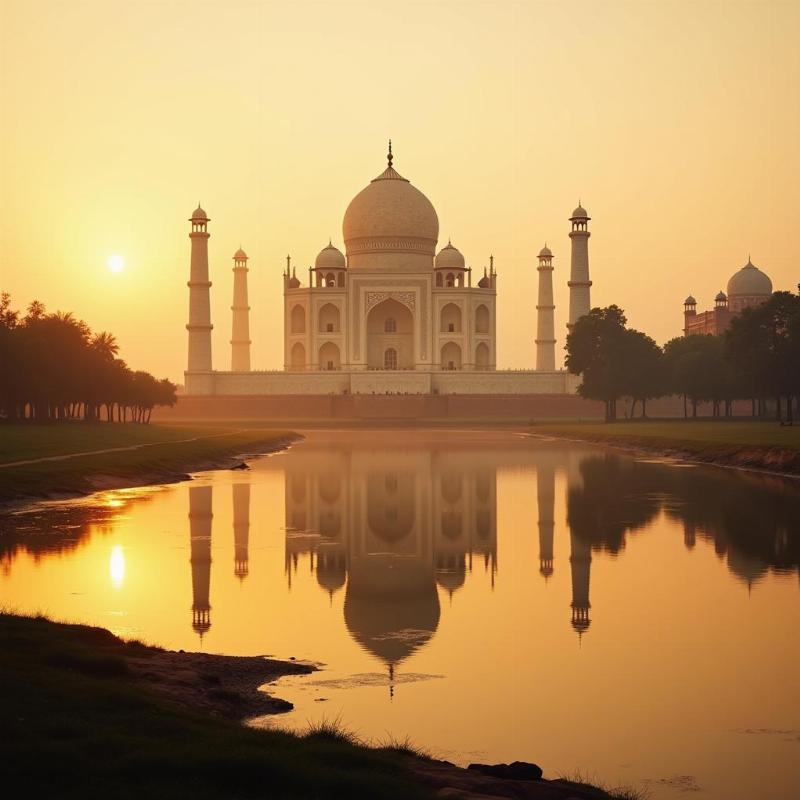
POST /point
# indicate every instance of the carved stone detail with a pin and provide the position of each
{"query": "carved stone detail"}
(408, 299)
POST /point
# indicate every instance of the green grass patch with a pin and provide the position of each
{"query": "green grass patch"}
(75, 726)
(160, 453)
(701, 436)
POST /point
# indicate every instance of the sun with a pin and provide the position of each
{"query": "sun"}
(116, 263)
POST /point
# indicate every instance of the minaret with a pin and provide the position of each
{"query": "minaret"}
(241, 529)
(579, 283)
(199, 326)
(200, 517)
(545, 493)
(545, 326)
(240, 336)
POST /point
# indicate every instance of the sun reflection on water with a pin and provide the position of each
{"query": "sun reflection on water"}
(116, 566)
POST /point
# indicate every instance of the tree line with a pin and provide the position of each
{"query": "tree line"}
(756, 359)
(53, 367)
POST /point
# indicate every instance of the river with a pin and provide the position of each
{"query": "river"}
(488, 595)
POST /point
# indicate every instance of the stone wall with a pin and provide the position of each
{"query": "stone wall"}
(320, 382)
(382, 407)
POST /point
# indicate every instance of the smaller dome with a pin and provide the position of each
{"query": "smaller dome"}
(720, 297)
(484, 283)
(198, 215)
(545, 252)
(449, 257)
(294, 282)
(749, 281)
(240, 254)
(690, 301)
(330, 257)
(579, 213)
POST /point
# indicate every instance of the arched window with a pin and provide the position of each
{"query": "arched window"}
(450, 281)
(390, 358)
(298, 319)
(481, 319)
(390, 326)
(330, 280)
(439, 281)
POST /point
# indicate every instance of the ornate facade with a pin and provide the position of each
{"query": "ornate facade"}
(389, 315)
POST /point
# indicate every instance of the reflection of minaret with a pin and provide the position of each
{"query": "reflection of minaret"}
(545, 492)
(200, 517)
(689, 534)
(241, 528)
(580, 561)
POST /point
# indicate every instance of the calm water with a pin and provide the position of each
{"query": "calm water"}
(491, 596)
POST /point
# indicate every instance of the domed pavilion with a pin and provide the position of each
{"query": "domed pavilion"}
(747, 287)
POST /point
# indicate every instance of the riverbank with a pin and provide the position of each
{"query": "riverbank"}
(86, 714)
(73, 459)
(762, 446)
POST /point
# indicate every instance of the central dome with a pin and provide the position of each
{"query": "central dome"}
(390, 224)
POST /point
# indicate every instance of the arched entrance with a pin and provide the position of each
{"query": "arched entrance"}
(482, 356)
(390, 336)
(451, 356)
(329, 356)
(298, 356)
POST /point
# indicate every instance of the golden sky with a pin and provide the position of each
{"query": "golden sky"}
(677, 124)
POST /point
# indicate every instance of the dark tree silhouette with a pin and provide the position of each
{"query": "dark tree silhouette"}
(52, 367)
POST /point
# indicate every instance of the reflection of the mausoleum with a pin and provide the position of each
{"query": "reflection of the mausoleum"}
(390, 527)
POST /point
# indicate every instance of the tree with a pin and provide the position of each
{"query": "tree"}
(614, 361)
(642, 369)
(697, 369)
(763, 345)
(52, 367)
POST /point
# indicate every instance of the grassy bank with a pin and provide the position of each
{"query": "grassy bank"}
(85, 714)
(79, 721)
(754, 445)
(67, 459)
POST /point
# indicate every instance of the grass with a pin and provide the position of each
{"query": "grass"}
(162, 452)
(615, 792)
(699, 435)
(75, 725)
(26, 441)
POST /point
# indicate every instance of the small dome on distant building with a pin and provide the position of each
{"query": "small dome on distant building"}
(198, 215)
(330, 257)
(484, 282)
(721, 297)
(579, 213)
(749, 281)
(240, 254)
(449, 257)
(294, 282)
(690, 301)
(545, 252)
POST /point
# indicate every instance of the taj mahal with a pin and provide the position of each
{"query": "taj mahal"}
(390, 315)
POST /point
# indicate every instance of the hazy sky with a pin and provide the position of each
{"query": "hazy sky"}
(676, 123)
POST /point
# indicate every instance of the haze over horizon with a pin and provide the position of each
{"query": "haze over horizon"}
(675, 124)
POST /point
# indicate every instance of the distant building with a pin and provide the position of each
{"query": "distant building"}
(748, 287)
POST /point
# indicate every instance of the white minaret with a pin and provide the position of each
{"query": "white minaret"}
(579, 283)
(545, 324)
(240, 335)
(199, 326)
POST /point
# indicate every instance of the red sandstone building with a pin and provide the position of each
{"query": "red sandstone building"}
(748, 287)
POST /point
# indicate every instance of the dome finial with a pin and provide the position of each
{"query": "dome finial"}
(390, 157)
